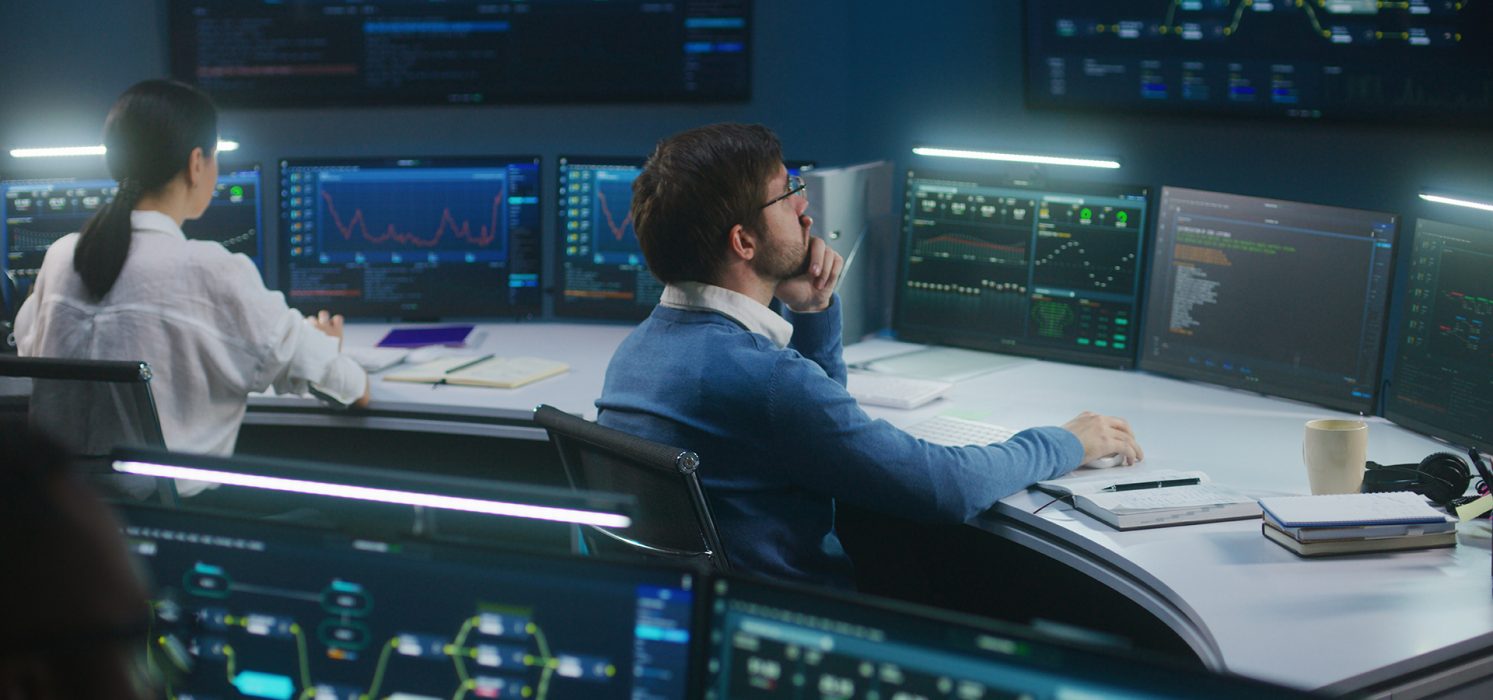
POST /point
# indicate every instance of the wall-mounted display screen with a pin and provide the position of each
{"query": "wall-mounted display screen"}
(313, 53)
(1412, 61)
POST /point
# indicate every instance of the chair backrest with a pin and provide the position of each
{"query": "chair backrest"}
(673, 517)
(90, 407)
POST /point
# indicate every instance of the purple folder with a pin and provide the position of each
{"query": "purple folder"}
(453, 336)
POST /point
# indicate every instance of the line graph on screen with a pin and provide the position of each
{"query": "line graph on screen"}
(434, 216)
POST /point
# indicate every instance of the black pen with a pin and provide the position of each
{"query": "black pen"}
(465, 365)
(1137, 485)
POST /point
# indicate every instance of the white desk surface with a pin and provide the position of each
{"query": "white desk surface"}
(587, 348)
(1244, 603)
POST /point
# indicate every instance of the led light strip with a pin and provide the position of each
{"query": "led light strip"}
(364, 493)
(1016, 157)
(1442, 199)
(64, 151)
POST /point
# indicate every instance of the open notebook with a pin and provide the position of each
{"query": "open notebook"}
(1153, 499)
(489, 371)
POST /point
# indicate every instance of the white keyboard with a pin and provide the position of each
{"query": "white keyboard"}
(876, 389)
(957, 432)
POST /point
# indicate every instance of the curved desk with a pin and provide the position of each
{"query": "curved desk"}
(1241, 602)
(1407, 623)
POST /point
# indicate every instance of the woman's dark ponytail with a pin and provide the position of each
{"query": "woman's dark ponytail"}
(149, 136)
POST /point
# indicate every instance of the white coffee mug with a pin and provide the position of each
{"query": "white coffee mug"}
(1335, 452)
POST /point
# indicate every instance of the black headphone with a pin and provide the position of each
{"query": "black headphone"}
(1441, 477)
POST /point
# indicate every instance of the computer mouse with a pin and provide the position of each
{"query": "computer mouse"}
(1105, 462)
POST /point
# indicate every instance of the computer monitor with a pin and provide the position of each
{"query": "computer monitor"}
(1443, 370)
(320, 53)
(1049, 270)
(1419, 62)
(41, 210)
(601, 270)
(246, 608)
(599, 264)
(412, 237)
(1278, 297)
(235, 217)
(770, 641)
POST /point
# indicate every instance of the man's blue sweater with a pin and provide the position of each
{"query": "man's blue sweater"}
(780, 440)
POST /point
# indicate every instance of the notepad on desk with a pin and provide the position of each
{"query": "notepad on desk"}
(1153, 499)
(489, 371)
(1356, 523)
(1070, 485)
(1171, 505)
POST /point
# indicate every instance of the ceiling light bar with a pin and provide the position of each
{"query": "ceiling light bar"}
(70, 151)
(59, 152)
(1455, 201)
(364, 493)
(1016, 157)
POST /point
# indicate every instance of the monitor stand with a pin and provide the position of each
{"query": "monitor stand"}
(946, 364)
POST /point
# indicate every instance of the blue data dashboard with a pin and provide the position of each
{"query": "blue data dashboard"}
(601, 271)
(412, 237)
(1443, 380)
(599, 264)
(312, 53)
(1414, 61)
(255, 609)
(1043, 269)
(40, 211)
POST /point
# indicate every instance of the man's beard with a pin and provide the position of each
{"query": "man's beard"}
(781, 261)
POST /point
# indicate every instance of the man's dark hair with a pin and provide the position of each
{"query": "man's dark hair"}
(695, 187)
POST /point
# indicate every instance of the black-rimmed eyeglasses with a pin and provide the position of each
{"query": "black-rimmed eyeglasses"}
(796, 185)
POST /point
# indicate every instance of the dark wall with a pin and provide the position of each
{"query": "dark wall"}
(840, 80)
(65, 61)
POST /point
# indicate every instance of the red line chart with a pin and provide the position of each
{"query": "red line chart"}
(618, 229)
(484, 236)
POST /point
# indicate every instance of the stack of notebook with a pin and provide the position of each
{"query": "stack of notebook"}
(1361, 522)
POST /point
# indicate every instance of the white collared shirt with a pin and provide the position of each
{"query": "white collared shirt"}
(200, 316)
(750, 313)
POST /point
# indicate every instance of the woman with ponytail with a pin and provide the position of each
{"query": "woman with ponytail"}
(130, 286)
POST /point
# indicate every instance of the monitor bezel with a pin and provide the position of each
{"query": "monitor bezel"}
(182, 65)
(1391, 410)
(52, 172)
(1364, 406)
(824, 603)
(597, 311)
(1221, 116)
(364, 310)
(434, 547)
(984, 342)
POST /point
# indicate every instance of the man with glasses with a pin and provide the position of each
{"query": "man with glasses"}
(741, 363)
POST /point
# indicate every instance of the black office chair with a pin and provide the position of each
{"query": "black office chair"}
(90, 407)
(673, 518)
